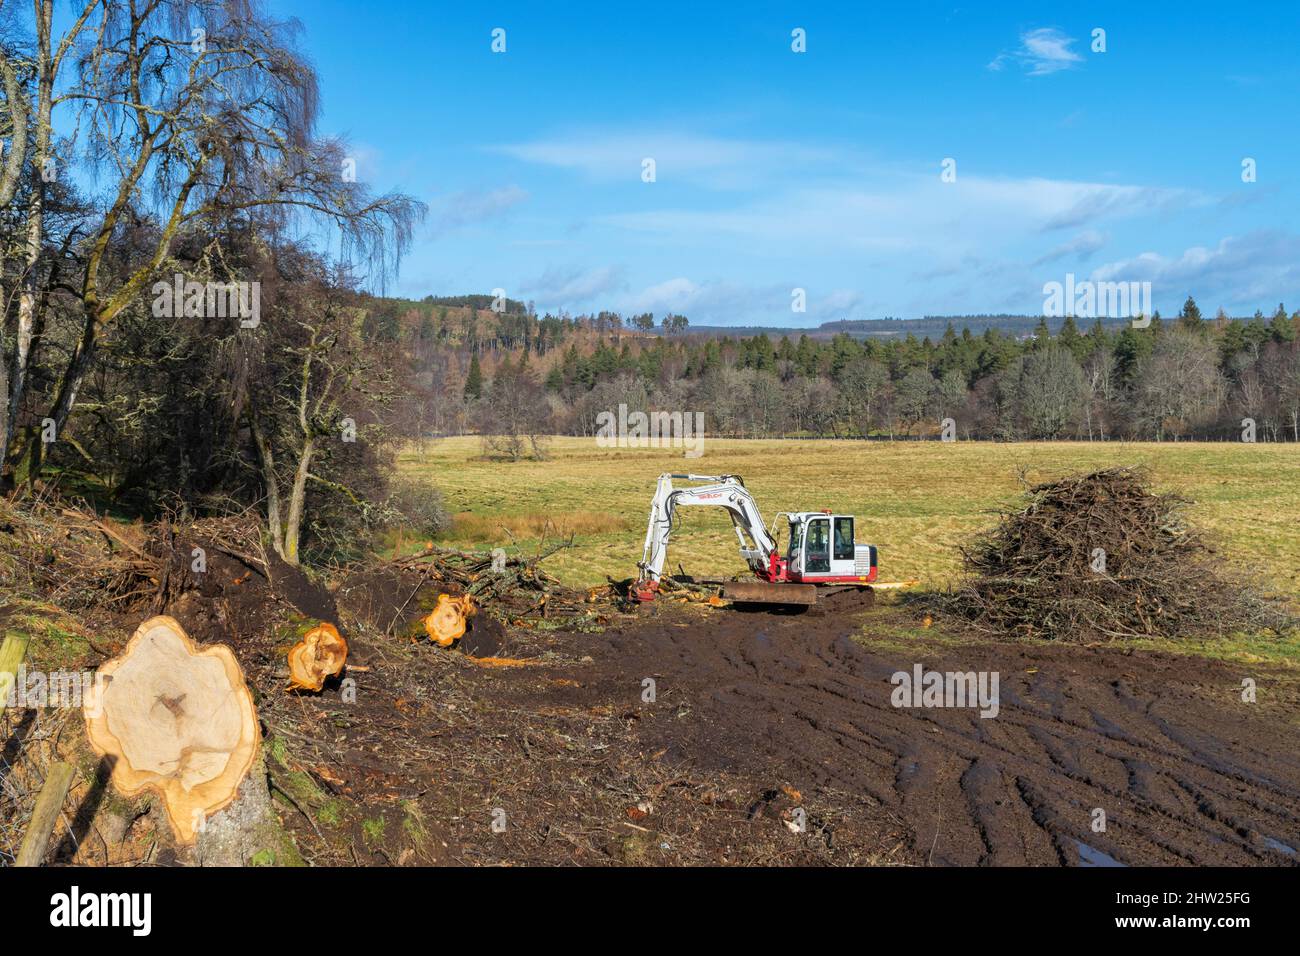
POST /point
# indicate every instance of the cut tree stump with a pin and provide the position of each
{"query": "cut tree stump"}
(446, 623)
(176, 720)
(321, 653)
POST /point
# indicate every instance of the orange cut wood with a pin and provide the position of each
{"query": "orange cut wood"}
(504, 661)
(446, 622)
(321, 653)
(176, 719)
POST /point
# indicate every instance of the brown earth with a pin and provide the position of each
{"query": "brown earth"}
(772, 739)
(1184, 770)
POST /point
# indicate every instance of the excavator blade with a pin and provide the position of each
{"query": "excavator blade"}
(759, 592)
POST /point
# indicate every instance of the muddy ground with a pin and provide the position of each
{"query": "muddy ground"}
(768, 739)
(772, 739)
(1184, 770)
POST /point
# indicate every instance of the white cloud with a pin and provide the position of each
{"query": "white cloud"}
(1081, 247)
(1103, 202)
(673, 295)
(1042, 51)
(835, 304)
(1238, 271)
(575, 287)
(909, 213)
(982, 234)
(721, 302)
(714, 301)
(826, 216)
(706, 160)
(474, 206)
(979, 232)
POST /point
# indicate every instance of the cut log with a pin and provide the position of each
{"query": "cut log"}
(176, 720)
(45, 815)
(446, 623)
(321, 653)
(12, 653)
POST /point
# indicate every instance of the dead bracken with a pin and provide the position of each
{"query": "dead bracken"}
(1099, 556)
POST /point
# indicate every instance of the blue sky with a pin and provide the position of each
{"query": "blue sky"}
(821, 170)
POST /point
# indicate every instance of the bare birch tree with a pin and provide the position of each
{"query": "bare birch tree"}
(200, 114)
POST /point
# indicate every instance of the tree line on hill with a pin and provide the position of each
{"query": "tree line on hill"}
(1185, 378)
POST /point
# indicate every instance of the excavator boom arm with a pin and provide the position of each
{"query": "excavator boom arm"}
(719, 491)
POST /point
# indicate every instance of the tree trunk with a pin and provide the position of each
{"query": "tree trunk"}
(297, 498)
(26, 458)
(26, 304)
(4, 392)
(248, 831)
(35, 224)
(267, 457)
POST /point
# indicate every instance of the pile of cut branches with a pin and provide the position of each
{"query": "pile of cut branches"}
(518, 589)
(1099, 556)
(66, 553)
(75, 557)
(175, 543)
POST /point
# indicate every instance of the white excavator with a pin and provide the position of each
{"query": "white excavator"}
(821, 552)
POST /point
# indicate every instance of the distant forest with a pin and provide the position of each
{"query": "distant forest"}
(513, 377)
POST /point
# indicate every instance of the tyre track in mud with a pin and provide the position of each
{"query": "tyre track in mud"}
(1185, 772)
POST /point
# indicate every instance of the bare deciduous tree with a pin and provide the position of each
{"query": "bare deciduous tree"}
(200, 127)
(312, 390)
(1179, 385)
(1051, 392)
(513, 417)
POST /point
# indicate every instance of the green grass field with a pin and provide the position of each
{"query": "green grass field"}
(917, 501)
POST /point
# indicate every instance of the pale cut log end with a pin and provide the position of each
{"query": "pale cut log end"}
(176, 720)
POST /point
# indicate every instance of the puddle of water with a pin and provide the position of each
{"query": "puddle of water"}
(1091, 856)
(1279, 846)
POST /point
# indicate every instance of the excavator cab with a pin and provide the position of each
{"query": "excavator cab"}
(820, 549)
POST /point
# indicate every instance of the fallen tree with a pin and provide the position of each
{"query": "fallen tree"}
(514, 589)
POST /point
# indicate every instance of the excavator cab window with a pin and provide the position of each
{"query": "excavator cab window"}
(843, 538)
(795, 545)
(817, 555)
